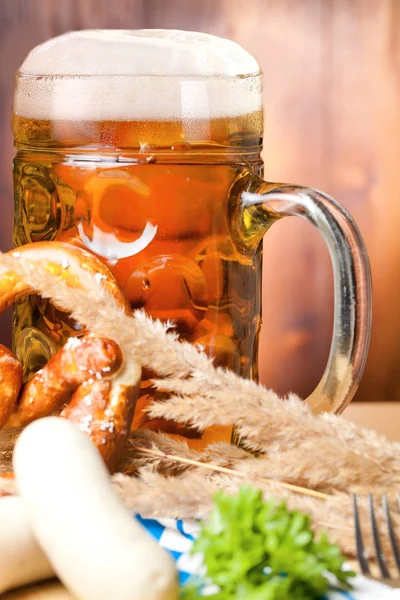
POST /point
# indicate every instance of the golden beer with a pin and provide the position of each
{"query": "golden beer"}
(152, 187)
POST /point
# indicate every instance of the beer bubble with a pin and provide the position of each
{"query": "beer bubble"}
(181, 147)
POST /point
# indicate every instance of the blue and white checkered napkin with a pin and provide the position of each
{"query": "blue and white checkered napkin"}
(178, 536)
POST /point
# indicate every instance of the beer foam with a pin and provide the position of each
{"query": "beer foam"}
(136, 75)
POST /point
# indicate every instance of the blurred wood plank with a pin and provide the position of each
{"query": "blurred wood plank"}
(332, 98)
(364, 132)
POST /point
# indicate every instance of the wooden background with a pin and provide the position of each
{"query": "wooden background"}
(332, 100)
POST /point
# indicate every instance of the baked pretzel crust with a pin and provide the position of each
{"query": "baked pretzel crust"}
(89, 379)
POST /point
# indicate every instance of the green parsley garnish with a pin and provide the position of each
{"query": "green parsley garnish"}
(256, 550)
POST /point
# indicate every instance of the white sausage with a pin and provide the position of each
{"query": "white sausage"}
(96, 547)
(21, 559)
(48, 591)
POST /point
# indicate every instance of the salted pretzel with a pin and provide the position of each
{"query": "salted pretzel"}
(89, 381)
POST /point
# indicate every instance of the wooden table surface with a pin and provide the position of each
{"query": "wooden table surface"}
(381, 416)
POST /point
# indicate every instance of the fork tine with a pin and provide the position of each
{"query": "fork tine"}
(362, 559)
(380, 556)
(392, 537)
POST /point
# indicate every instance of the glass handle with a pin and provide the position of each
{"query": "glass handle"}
(352, 280)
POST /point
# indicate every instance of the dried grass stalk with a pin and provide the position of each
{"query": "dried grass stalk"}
(219, 454)
(299, 445)
(263, 421)
(245, 475)
(332, 471)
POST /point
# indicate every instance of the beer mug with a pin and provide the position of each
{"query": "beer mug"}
(144, 147)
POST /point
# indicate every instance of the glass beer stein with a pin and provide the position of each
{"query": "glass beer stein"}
(144, 147)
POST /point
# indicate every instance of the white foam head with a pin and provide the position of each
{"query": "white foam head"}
(133, 75)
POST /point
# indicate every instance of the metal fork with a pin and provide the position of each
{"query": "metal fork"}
(380, 556)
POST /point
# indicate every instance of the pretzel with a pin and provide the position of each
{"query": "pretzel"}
(52, 386)
(89, 379)
(65, 262)
(10, 382)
